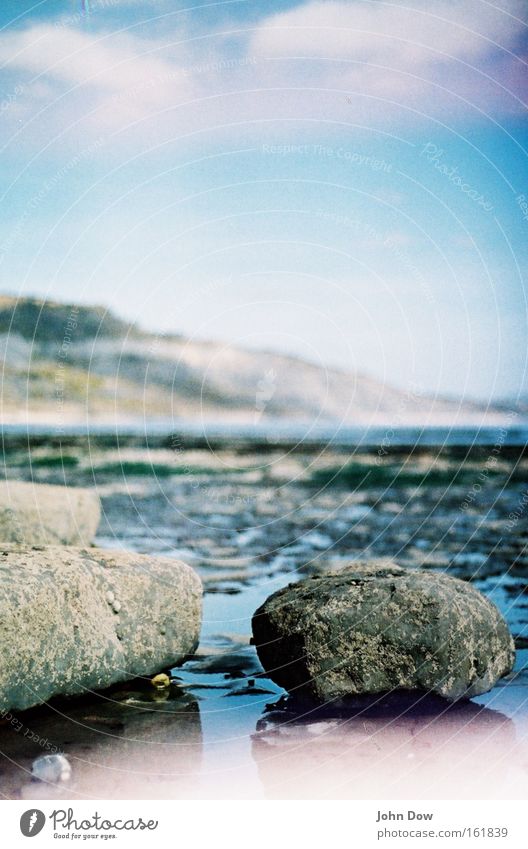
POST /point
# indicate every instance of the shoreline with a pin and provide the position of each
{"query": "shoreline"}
(179, 436)
(250, 521)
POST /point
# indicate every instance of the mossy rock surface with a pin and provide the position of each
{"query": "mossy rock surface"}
(375, 627)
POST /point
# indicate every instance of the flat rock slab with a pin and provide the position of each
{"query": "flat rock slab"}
(42, 514)
(74, 620)
(376, 627)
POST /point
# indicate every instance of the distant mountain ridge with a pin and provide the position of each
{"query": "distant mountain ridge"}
(69, 363)
(46, 321)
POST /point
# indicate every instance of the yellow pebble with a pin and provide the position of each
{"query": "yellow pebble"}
(161, 681)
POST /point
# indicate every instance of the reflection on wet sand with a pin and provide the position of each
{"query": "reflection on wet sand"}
(390, 747)
(131, 743)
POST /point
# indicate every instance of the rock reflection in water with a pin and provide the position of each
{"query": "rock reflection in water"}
(393, 746)
(131, 743)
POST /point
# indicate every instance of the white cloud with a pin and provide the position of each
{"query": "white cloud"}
(109, 62)
(415, 56)
(375, 52)
(385, 33)
(119, 78)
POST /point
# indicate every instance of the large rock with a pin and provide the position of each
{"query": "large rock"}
(41, 514)
(74, 620)
(377, 627)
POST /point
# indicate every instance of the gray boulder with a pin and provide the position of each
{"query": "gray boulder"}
(74, 620)
(376, 627)
(41, 514)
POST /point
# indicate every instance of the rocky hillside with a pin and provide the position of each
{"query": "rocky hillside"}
(64, 362)
(45, 321)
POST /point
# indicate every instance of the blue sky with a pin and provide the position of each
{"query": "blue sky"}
(339, 180)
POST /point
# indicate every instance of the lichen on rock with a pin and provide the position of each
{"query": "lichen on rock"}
(375, 627)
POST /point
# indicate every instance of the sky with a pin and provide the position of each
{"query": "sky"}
(343, 181)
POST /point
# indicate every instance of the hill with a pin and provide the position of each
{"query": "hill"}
(66, 362)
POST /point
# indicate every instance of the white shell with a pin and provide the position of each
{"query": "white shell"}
(51, 768)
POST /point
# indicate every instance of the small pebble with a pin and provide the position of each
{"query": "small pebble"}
(161, 681)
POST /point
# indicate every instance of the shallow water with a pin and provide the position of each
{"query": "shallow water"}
(286, 432)
(226, 731)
